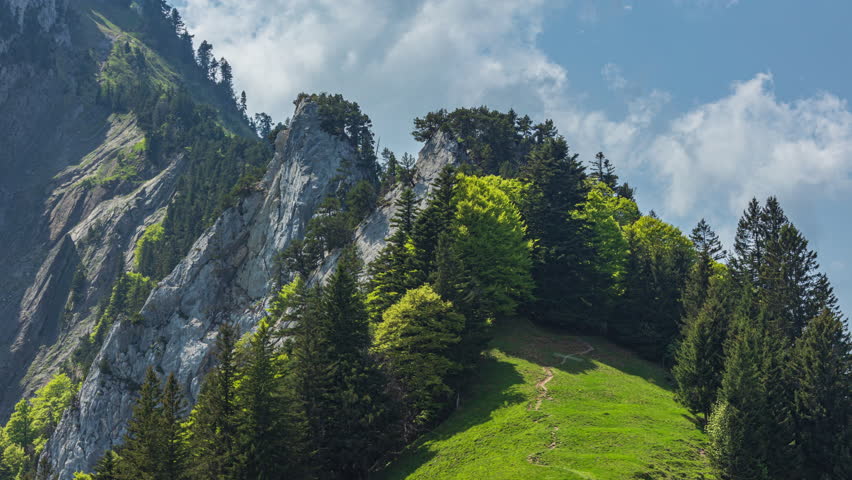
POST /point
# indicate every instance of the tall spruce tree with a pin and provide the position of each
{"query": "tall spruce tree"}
(357, 408)
(700, 357)
(213, 431)
(142, 451)
(434, 220)
(822, 363)
(391, 273)
(266, 443)
(173, 462)
(710, 251)
(561, 269)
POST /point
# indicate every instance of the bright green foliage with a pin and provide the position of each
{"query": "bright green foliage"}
(31, 424)
(607, 214)
(822, 364)
(20, 429)
(700, 356)
(492, 242)
(608, 415)
(414, 342)
(649, 314)
(145, 253)
(50, 402)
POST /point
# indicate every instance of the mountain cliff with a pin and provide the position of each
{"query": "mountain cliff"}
(227, 277)
(79, 180)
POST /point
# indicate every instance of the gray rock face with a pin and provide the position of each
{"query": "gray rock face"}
(225, 277)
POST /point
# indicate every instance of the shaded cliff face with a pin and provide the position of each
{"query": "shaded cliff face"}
(48, 124)
(227, 276)
(63, 209)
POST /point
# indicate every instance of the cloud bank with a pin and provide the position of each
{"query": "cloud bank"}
(401, 59)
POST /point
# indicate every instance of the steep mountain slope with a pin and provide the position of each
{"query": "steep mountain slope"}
(77, 184)
(227, 276)
(550, 405)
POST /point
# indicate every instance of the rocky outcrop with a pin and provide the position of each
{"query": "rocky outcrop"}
(227, 276)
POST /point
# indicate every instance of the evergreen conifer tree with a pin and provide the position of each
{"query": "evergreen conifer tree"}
(142, 452)
(700, 355)
(822, 363)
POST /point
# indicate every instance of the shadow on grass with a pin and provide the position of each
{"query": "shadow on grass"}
(548, 340)
(492, 388)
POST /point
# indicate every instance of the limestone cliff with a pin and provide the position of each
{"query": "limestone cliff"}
(227, 276)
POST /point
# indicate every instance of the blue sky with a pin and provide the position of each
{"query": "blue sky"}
(702, 104)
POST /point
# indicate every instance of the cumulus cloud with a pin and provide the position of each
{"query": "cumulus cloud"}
(613, 77)
(398, 59)
(752, 144)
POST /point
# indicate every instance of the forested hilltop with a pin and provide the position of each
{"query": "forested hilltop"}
(260, 330)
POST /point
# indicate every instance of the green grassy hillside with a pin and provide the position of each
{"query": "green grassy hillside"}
(534, 413)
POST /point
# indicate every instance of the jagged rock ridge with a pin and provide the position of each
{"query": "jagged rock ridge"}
(227, 276)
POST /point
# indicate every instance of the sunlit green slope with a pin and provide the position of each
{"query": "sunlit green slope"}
(535, 413)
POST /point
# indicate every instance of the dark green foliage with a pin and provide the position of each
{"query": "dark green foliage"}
(822, 364)
(78, 286)
(700, 357)
(436, 219)
(344, 119)
(604, 171)
(561, 269)
(774, 257)
(126, 299)
(650, 313)
(107, 467)
(152, 446)
(265, 439)
(213, 431)
(390, 273)
(750, 428)
(344, 402)
(496, 143)
(710, 251)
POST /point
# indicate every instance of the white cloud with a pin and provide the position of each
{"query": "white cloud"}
(398, 59)
(751, 144)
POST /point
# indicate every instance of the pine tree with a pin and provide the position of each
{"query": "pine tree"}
(700, 356)
(391, 273)
(710, 251)
(107, 467)
(205, 57)
(748, 246)
(265, 440)
(243, 107)
(173, 459)
(213, 431)
(822, 365)
(356, 406)
(141, 453)
(226, 77)
(434, 220)
(562, 274)
(750, 428)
